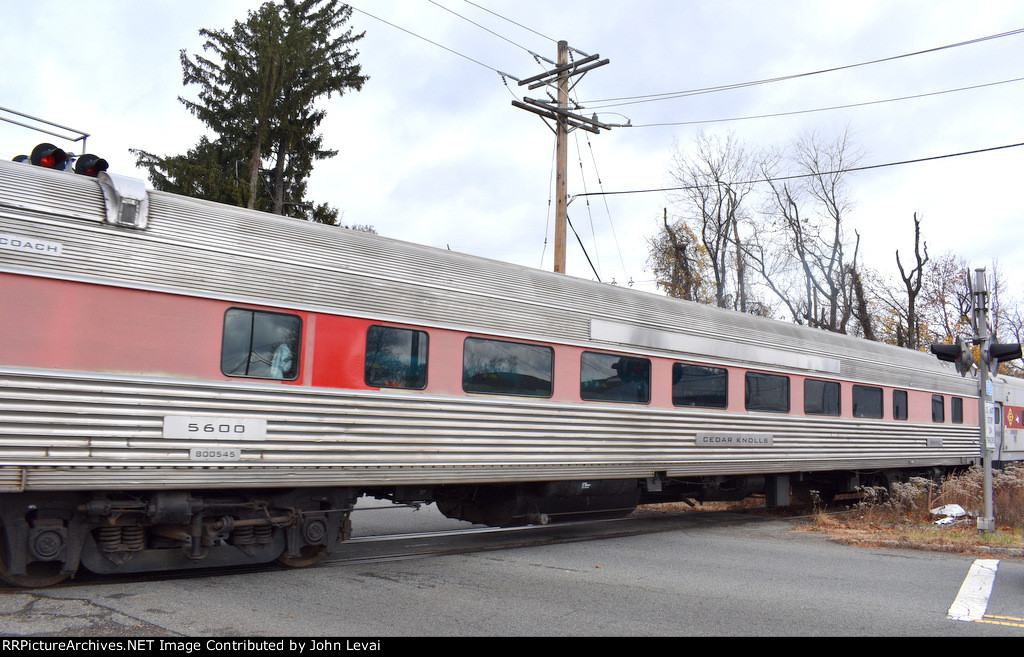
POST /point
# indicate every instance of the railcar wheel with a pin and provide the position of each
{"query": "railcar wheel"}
(308, 555)
(39, 574)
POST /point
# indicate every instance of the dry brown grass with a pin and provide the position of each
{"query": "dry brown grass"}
(742, 505)
(900, 515)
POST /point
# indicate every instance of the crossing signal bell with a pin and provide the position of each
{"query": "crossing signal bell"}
(958, 354)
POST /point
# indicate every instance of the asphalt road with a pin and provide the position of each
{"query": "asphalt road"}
(700, 575)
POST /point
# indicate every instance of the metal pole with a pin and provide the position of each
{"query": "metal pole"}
(987, 523)
(561, 162)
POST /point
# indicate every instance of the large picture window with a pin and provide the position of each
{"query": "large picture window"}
(609, 377)
(498, 367)
(867, 402)
(259, 344)
(821, 397)
(696, 385)
(766, 392)
(396, 358)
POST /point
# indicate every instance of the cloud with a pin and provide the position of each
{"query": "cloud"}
(432, 151)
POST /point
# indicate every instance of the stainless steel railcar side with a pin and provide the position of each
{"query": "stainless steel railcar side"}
(111, 297)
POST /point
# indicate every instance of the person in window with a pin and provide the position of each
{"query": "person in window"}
(283, 361)
(281, 364)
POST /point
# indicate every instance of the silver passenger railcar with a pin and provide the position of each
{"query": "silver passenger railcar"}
(188, 384)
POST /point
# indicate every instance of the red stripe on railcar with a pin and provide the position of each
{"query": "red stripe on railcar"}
(67, 325)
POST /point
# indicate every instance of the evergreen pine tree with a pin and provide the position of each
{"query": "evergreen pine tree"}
(258, 90)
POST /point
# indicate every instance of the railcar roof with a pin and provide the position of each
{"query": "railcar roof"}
(204, 248)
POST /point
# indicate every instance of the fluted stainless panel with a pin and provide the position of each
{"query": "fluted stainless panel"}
(53, 423)
(35, 189)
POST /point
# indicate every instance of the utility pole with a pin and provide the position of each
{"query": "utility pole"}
(561, 162)
(561, 119)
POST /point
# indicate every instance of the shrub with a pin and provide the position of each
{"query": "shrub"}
(911, 500)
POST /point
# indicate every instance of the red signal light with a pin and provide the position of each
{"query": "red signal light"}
(48, 156)
(90, 165)
(959, 354)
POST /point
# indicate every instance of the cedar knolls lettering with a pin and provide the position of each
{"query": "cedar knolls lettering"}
(29, 245)
(733, 439)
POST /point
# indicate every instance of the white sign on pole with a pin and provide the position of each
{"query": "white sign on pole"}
(991, 417)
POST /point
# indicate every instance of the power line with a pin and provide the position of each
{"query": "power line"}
(607, 209)
(454, 52)
(584, 249)
(590, 213)
(517, 45)
(547, 218)
(648, 98)
(528, 29)
(810, 175)
(823, 109)
(543, 36)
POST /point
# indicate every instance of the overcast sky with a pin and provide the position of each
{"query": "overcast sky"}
(432, 151)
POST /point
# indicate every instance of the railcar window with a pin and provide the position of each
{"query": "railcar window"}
(694, 385)
(396, 358)
(767, 392)
(958, 410)
(607, 377)
(507, 368)
(867, 402)
(821, 397)
(899, 405)
(260, 344)
(938, 408)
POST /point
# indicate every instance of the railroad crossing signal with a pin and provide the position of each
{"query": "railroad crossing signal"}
(1001, 353)
(90, 165)
(992, 353)
(49, 156)
(957, 353)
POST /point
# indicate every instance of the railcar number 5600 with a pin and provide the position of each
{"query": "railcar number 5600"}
(206, 428)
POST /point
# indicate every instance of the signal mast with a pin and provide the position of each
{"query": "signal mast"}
(992, 353)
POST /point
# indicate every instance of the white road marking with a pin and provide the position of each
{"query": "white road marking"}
(972, 600)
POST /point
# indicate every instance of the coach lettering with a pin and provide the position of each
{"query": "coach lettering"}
(29, 245)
